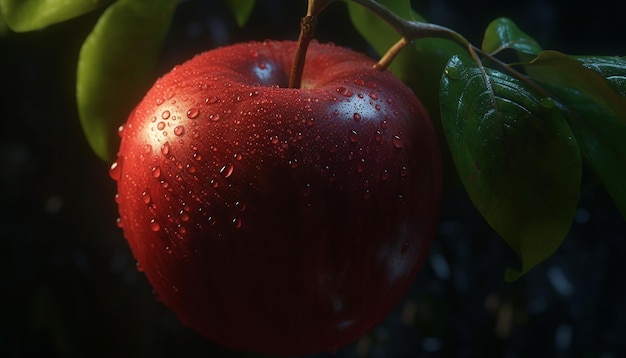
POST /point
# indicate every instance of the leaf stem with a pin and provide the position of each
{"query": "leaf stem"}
(409, 30)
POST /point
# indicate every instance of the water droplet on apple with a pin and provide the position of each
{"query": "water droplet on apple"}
(211, 100)
(227, 170)
(357, 117)
(293, 163)
(160, 125)
(211, 220)
(146, 197)
(353, 136)
(236, 222)
(159, 101)
(193, 113)
(344, 91)
(138, 266)
(191, 169)
(214, 183)
(119, 223)
(168, 250)
(184, 217)
(165, 114)
(384, 175)
(147, 149)
(214, 117)
(179, 130)
(360, 166)
(378, 136)
(359, 82)
(120, 130)
(397, 142)
(156, 172)
(404, 172)
(165, 148)
(384, 124)
(373, 96)
(254, 54)
(154, 225)
(115, 171)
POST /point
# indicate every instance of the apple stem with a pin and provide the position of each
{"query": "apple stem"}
(308, 24)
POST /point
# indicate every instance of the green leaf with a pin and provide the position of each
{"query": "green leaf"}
(595, 111)
(115, 67)
(502, 33)
(613, 68)
(516, 157)
(241, 9)
(28, 15)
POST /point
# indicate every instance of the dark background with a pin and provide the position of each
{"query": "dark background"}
(68, 283)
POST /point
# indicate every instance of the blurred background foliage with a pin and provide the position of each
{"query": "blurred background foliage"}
(68, 283)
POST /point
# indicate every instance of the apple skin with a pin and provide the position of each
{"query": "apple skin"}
(278, 220)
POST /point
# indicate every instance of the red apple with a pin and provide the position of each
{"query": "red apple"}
(279, 220)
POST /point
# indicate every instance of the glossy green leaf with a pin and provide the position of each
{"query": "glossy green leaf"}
(613, 68)
(241, 9)
(28, 15)
(116, 66)
(596, 112)
(516, 157)
(502, 33)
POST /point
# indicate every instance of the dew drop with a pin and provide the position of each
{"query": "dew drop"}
(373, 96)
(360, 166)
(156, 172)
(115, 171)
(214, 183)
(119, 223)
(146, 197)
(397, 142)
(210, 100)
(378, 136)
(359, 82)
(159, 101)
(165, 148)
(165, 114)
(214, 117)
(344, 91)
(237, 222)
(193, 113)
(254, 54)
(357, 117)
(154, 225)
(237, 156)
(184, 216)
(161, 126)
(120, 130)
(452, 73)
(384, 124)
(191, 169)
(547, 103)
(139, 267)
(147, 149)
(384, 175)
(227, 170)
(179, 130)
(262, 65)
(353, 136)
(168, 250)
